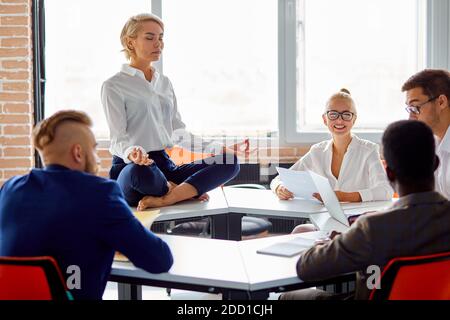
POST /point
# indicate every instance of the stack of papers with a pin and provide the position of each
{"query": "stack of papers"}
(299, 183)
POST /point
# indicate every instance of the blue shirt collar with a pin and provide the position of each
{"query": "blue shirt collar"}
(56, 167)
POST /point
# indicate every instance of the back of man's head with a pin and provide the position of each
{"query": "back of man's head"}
(45, 131)
(65, 138)
(409, 151)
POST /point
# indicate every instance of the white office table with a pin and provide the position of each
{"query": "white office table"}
(267, 271)
(265, 202)
(232, 268)
(227, 207)
(199, 264)
(217, 204)
(216, 208)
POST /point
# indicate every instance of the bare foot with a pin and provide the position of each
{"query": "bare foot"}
(204, 197)
(150, 202)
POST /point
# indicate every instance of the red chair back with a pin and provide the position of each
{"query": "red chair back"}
(415, 278)
(31, 278)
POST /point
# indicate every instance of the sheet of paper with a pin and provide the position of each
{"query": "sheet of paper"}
(120, 257)
(146, 217)
(299, 183)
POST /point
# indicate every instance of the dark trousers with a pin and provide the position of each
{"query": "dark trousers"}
(138, 181)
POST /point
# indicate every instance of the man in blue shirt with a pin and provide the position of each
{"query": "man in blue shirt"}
(67, 212)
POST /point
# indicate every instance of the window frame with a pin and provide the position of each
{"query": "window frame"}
(437, 14)
(437, 56)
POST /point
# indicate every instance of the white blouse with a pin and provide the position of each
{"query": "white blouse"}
(442, 174)
(361, 170)
(144, 114)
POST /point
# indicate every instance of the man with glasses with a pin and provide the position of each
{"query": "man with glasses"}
(427, 99)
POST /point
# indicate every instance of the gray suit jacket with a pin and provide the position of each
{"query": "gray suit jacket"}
(416, 224)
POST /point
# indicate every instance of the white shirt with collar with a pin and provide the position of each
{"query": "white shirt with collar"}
(361, 170)
(144, 114)
(442, 174)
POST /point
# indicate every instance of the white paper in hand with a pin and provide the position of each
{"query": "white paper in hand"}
(299, 183)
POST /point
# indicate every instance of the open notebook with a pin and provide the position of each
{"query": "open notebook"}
(146, 218)
(288, 248)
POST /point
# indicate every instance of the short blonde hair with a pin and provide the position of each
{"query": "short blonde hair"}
(343, 94)
(44, 131)
(131, 28)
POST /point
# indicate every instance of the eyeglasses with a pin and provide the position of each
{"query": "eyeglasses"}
(416, 109)
(334, 115)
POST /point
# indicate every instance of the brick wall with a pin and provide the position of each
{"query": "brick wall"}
(16, 106)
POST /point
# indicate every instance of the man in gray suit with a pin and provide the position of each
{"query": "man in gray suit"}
(417, 224)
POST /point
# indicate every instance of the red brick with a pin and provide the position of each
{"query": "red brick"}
(14, 64)
(301, 151)
(105, 164)
(17, 130)
(14, 118)
(13, 96)
(11, 9)
(16, 86)
(17, 152)
(15, 163)
(15, 141)
(14, 21)
(15, 42)
(9, 75)
(104, 154)
(17, 108)
(14, 31)
(103, 173)
(14, 1)
(11, 173)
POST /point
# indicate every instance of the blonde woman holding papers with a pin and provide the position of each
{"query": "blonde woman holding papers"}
(352, 165)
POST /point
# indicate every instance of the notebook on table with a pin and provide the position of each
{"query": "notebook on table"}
(288, 248)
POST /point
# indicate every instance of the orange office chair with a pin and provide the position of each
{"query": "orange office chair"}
(415, 278)
(31, 278)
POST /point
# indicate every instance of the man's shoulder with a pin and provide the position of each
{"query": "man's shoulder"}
(101, 183)
(12, 182)
(374, 221)
(81, 181)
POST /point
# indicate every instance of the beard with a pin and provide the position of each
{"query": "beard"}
(91, 166)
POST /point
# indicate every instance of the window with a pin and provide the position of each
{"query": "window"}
(368, 47)
(82, 50)
(253, 67)
(221, 57)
